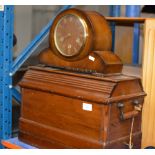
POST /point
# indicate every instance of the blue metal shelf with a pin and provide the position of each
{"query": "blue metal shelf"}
(15, 143)
(115, 11)
(131, 11)
(134, 11)
(6, 46)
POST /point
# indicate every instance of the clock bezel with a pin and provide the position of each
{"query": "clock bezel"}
(88, 44)
(84, 40)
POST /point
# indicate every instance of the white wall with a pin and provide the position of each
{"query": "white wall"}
(41, 17)
(22, 27)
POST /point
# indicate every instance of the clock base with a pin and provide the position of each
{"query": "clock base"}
(104, 62)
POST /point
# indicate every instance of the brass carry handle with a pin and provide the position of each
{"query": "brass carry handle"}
(130, 114)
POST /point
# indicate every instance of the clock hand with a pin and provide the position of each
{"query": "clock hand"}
(65, 37)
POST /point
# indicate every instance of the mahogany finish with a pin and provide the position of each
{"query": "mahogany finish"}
(98, 37)
(97, 61)
(126, 21)
(52, 114)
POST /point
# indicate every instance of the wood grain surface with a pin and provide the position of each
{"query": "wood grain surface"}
(148, 76)
(98, 37)
(52, 113)
(97, 61)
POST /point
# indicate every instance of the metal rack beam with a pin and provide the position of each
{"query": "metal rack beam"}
(16, 94)
(115, 11)
(6, 46)
(134, 11)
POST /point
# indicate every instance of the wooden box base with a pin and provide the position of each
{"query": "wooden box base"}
(123, 143)
(68, 110)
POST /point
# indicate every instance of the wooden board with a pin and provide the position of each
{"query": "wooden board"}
(126, 20)
(124, 34)
(148, 75)
(132, 70)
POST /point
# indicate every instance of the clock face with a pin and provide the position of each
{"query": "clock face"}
(70, 35)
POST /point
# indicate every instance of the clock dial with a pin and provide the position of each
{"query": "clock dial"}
(69, 35)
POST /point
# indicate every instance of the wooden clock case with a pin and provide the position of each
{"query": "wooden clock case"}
(98, 37)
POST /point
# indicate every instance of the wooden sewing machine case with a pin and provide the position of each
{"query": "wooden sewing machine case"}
(61, 109)
(83, 102)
